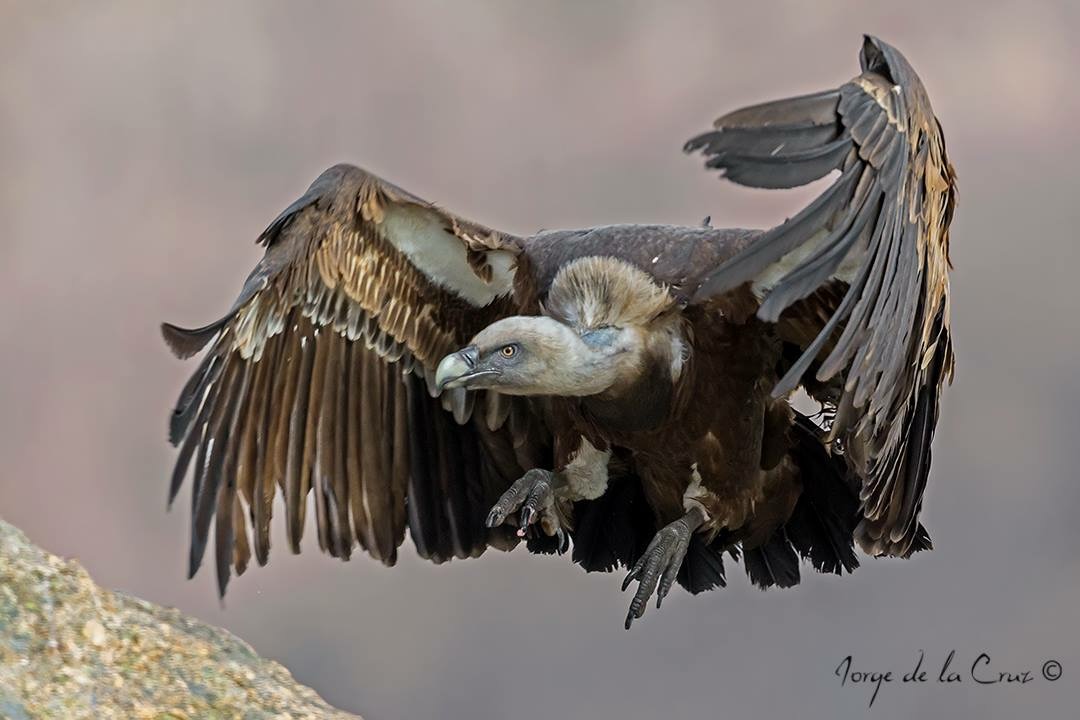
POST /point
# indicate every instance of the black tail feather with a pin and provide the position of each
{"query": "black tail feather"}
(774, 563)
(614, 529)
(703, 567)
(542, 544)
(822, 526)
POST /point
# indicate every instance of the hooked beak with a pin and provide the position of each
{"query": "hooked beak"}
(457, 369)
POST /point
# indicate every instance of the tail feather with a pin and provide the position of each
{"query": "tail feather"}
(703, 567)
(774, 563)
(822, 526)
(614, 529)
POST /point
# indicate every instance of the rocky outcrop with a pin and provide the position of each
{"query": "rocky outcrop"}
(70, 649)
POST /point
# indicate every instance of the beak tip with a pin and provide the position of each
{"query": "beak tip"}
(451, 368)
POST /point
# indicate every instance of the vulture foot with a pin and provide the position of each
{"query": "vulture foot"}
(659, 565)
(532, 496)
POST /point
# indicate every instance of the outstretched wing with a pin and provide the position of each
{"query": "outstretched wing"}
(320, 378)
(864, 268)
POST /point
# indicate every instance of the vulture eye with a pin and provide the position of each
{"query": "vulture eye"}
(509, 351)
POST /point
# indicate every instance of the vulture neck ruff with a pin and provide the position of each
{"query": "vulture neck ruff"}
(598, 292)
(603, 296)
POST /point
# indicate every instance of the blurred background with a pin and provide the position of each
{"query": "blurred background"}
(143, 146)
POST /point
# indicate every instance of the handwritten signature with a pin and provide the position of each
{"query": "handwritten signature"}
(981, 671)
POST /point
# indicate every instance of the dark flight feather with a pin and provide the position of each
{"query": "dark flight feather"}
(892, 226)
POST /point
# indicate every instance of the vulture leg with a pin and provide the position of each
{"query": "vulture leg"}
(533, 497)
(661, 562)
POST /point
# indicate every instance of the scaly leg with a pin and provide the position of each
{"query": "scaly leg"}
(660, 563)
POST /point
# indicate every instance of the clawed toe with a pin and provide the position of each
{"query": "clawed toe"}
(655, 571)
(658, 568)
(531, 496)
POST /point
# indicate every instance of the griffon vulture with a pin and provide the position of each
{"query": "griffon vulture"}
(624, 389)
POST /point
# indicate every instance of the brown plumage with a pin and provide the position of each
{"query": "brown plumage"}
(623, 388)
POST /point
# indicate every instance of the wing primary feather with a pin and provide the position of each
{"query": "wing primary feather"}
(782, 169)
(192, 441)
(208, 470)
(187, 405)
(817, 108)
(767, 141)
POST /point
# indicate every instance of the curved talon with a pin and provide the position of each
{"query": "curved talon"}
(667, 581)
(564, 541)
(540, 494)
(659, 565)
(531, 496)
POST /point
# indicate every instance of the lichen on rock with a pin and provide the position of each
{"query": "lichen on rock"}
(70, 649)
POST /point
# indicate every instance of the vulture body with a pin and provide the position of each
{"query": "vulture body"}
(623, 389)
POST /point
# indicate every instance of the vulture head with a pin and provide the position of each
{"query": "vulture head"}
(539, 355)
(604, 324)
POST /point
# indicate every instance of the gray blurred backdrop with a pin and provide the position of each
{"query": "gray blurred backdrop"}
(144, 145)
